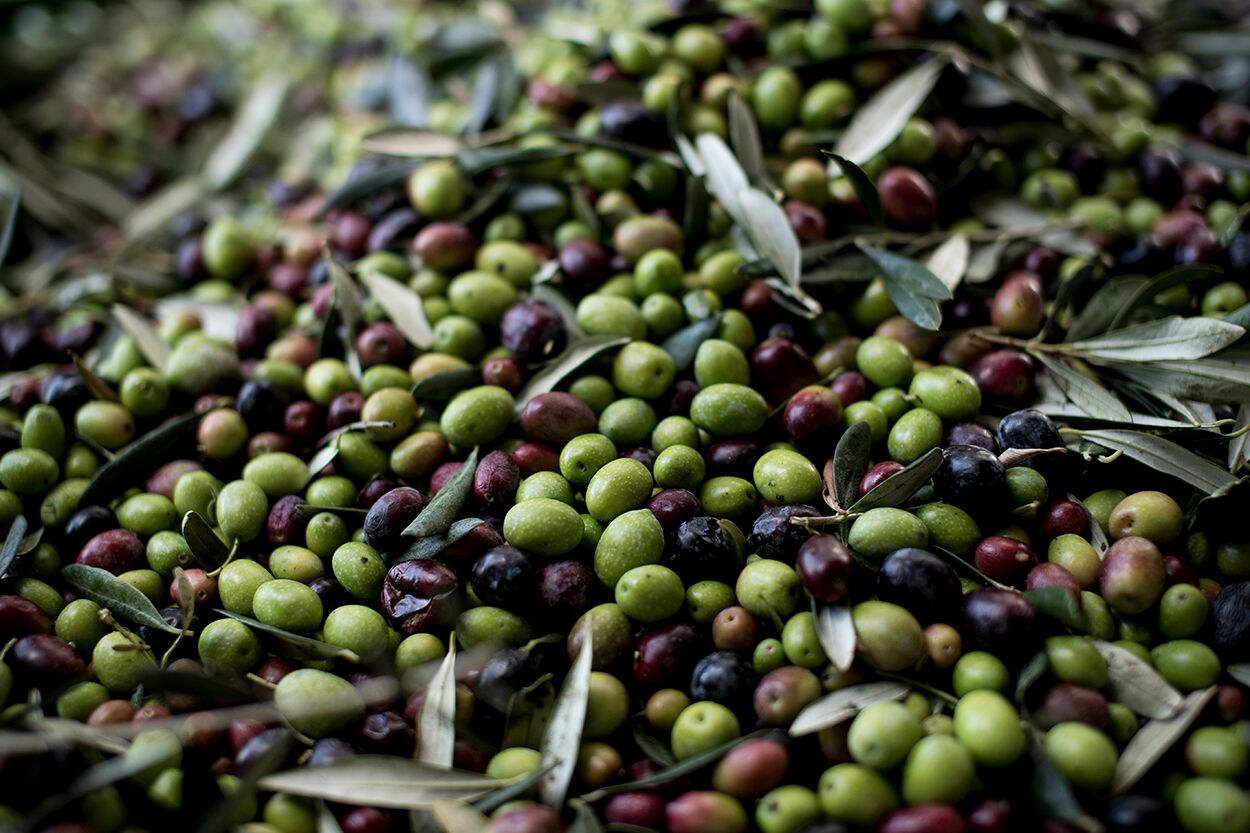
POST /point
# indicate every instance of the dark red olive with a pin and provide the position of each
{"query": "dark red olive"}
(381, 343)
(672, 506)
(877, 474)
(344, 409)
(504, 372)
(731, 457)
(924, 818)
(812, 413)
(1004, 559)
(390, 516)
(445, 246)
(45, 659)
(372, 492)
(555, 418)
(419, 595)
(257, 326)
(536, 457)
(1005, 376)
(1064, 517)
(850, 386)
(779, 367)
(565, 588)
(1001, 622)
(665, 654)
(302, 421)
(496, 479)
(907, 198)
(583, 263)
(116, 550)
(349, 233)
(531, 330)
(1048, 574)
(1067, 703)
(807, 221)
(825, 567)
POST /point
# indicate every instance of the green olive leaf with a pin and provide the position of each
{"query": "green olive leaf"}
(150, 344)
(381, 781)
(8, 220)
(123, 599)
(1136, 684)
(1087, 394)
(408, 90)
(1164, 456)
(139, 458)
(412, 143)
(563, 735)
(576, 354)
(436, 721)
(684, 344)
(437, 517)
(1032, 671)
(255, 117)
(8, 553)
(442, 386)
(1101, 309)
(1154, 739)
(836, 631)
(458, 817)
(914, 290)
(902, 485)
(1162, 282)
(486, 83)
(1167, 339)
(1060, 604)
(655, 748)
(294, 645)
(843, 704)
(864, 187)
(362, 186)
(851, 461)
(882, 118)
(209, 551)
(99, 388)
(500, 796)
(402, 306)
(584, 818)
(431, 546)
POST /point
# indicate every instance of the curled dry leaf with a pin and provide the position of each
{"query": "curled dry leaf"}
(844, 704)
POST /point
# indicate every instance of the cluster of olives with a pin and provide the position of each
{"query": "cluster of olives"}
(633, 434)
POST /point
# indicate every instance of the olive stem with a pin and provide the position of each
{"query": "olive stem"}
(936, 692)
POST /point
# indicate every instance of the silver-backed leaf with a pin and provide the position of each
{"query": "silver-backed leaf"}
(436, 721)
(1136, 684)
(574, 356)
(254, 119)
(402, 306)
(773, 234)
(836, 630)
(1086, 393)
(1169, 339)
(949, 261)
(154, 348)
(881, 119)
(564, 732)
(744, 134)
(1164, 456)
(1153, 740)
(380, 781)
(844, 704)
(123, 599)
(725, 178)
(412, 143)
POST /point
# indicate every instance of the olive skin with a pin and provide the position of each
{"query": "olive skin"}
(1230, 618)
(921, 582)
(970, 478)
(1001, 622)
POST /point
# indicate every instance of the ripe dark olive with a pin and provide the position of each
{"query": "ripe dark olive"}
(773, 536)
(971, 433)
(1001, 622)
(531, 330)
(365, 820)
(664, 655)
(372, 492)
(387, 733)
(262, 404)
(1064, 517)
(565, 588)
(583, 263)
(19, 617)
(1183, 100)
(807, 221)
(921, 582)
(1230, 620)
(257, 326)
(328, 750)
(507, 674)
(445, 246)
(631, 121)
(381, 343)
(496, 479)
(877, 474)
(418, 595)
(45, 659)
(556, 417)
(850, 386)
(672, 506)
(85, 524)
(704, 549)
(535, 457)
(392, 513)
(733, 458)
(907, 199)
(398, 224)
(825, 566)
(636, 807)
(344, 409)
(116, 550)
(990, 815)
(302, 421)
(504, 577)
(724, 677)
(264, 745)
(970, 478)
(812, 413)
(780, 367)
(504, 371)
(1031, 428)
(1004, 559)
(924, 818)
(1005, 376)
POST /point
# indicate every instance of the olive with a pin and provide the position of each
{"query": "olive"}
(921, 582)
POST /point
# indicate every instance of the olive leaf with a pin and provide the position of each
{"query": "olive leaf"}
(1052, 794)
(99, 388)
(1097, 536)
(843, 704)
(500, 796)
(744, 135)
(1164, 456)
(349, 304)
(1162, 282)
(1060, 604)
(1082, 391)
(1032, 671)
(1167, 339)
(458, 817)
(694, 213)
(412, 143)
(836, 632)
(584, 818)
(914, 290)
(1239, 446)
(1136, 684)
(881, 119)
(408, 90)
(772, 233)
(1194, 150)
(157, 211)
(1038, 66)
(326, 822)
(436, 722)
(902, 485)
(222, 811)
(1012, 213)
(367, 184)
(324, 457)
(484, 201)
(864, 187)
(535, 198)
(209, 551)
(1215, 379)
(431, 546)
(1239, 672)
(486, 82)
(445, 384)
(29, 542)
(574, 356)
(852, 458)
(140, 457)
(255, 117)
(1100, 310)
(107, 590)
(563, 307)
(294, 645)
(8, 220)
(949, 261)
(684, 344)
(439, 514)
(1154, 739)
(677, 770)
(154, 348)
(656, 749)
(8, 553)
(725, 178)
(402, 306)
(564, 732)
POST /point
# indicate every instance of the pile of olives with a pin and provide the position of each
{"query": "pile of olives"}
(835, 570)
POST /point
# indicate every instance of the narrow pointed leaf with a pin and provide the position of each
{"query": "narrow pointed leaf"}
(402, 306)
(559, 302)
(879, 122)
(851, 460)
(574, 356)
(836, 631)
(412, 143)
(1164, 456)
(744, 134)
(724, 175)
(773, 235)
(107, 590)
(444, 385)
(322, 458)
(431, 546)
(438, 516)
(367, 184)
(1176, 276)
(258, 113)
(209, 551)
(458, 817)
(1170, 339)
(1136, 684)
(900, 486)
(1153, 740)
(8, 553)
(1215, 379)
(656, 749)
(380, 781)
(684, 344)
(407, 91)
(1239, 672)
(844, 704)
(294, 645)
(1239, 446)
(864, 187)
(1052, 794)
(150, 344)
(1083, 392)
(436, 722)
(8, 221)
(137, 460)
(564, 732)
(908, 273)
(949, 261)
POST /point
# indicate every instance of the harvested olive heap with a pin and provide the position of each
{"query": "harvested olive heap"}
(755, 417)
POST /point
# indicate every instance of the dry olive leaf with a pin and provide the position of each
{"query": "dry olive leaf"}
(1136, 684)
(836, 631)
(1154, 739)
(436, 722)
(150, 344)
(844, 704)
(564, 732)
(402, 306)
(381, 781)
